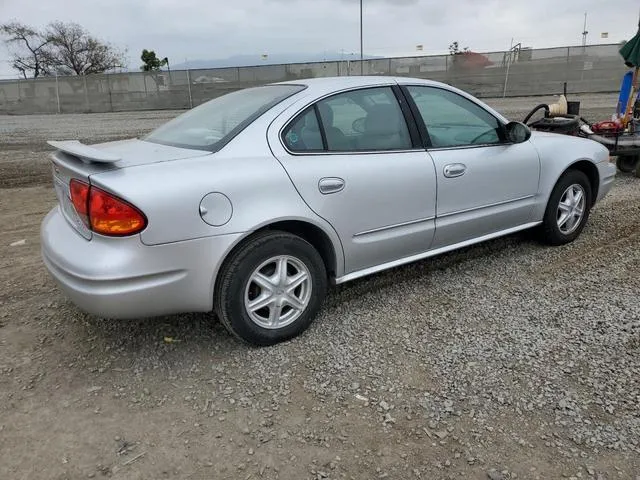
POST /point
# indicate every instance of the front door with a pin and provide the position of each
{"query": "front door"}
(352, 158)
(485, 185)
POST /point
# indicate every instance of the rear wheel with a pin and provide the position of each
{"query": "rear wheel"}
(271, 288)
(627, 163)
(568, 208)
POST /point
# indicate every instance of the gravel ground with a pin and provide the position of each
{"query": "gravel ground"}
(504, 360)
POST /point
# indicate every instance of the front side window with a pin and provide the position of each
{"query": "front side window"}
(452, 120)
(212, 124)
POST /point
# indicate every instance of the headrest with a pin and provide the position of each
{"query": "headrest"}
(382, 120)
(326, 113)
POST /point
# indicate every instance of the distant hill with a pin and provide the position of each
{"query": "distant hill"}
(272, 59)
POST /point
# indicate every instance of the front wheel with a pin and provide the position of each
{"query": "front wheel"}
(568, 209)
(271, 288)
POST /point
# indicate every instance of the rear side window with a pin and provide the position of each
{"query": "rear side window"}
(303, 134)
(363, 120)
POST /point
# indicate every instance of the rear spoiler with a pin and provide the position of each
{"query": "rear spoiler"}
(86, 153)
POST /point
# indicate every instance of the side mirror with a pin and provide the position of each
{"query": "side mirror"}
(517, 132)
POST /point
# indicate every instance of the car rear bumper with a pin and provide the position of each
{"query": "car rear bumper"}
(607, 173)
(123, 278)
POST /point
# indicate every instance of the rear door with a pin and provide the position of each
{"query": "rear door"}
(357, 163)
(485, 184)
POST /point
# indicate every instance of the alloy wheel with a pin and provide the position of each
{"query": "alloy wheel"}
(571, 209)
(278, 292)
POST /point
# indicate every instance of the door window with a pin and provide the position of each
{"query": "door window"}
(303, 134)
(452, 120)
(369, 119)
(362, 120)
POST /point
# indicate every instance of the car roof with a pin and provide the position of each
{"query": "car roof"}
(320, 86)
(337, 83)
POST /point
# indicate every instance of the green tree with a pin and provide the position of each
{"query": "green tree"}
(151, 62)
(454, 49)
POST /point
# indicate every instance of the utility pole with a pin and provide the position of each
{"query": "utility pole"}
(361, 49)
(584, 31)
(166, 60)
(506, 76)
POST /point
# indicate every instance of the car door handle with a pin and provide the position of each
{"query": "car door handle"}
(454, 170)
(330, 185)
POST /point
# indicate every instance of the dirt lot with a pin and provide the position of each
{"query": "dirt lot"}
(505, 360)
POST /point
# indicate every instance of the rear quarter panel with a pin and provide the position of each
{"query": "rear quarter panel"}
(557, 153)
(169, 193)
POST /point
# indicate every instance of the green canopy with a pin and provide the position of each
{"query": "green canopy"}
(630, 51)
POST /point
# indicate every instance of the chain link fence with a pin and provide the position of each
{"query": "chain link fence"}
(522, 72)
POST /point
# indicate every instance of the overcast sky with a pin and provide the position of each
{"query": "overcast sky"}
(211, 29)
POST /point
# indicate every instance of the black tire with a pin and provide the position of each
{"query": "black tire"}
(551, 233)
(627, 163)
(234, 276)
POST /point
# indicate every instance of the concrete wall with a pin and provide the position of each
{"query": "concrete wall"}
(592, 69)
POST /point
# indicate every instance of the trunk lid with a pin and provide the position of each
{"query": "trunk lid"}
(73, 159)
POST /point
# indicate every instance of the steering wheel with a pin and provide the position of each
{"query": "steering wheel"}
(482, 135)
(358, 125)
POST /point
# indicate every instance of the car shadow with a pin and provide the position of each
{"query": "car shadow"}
(202, 332)
(504, 246)
(167, 337)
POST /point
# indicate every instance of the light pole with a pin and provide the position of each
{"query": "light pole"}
(166, 60)
(361, 50)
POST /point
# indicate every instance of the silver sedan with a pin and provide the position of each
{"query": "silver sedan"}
(252, 204)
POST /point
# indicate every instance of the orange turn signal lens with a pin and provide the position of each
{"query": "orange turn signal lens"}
(112, 216)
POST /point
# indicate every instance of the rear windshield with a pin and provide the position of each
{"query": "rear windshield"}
(213, 124)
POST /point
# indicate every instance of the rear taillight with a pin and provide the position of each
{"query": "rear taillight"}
(104, 213)
(111, 216)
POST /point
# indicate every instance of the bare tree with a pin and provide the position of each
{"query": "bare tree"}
(73, 51)
(27, 46)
